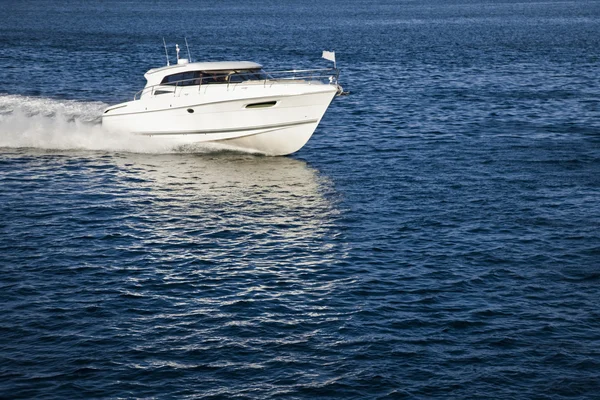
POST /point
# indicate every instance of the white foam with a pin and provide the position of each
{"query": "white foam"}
(52, 124)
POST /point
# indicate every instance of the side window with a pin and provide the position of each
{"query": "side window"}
(215, 76)
(187, 79)
(248, 75)
(194, 78)
(171, 78)
(237, 77)
(182, 79)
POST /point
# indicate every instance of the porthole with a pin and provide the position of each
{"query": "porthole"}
(190, 110)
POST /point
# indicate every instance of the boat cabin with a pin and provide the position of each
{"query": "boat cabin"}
(194, 74)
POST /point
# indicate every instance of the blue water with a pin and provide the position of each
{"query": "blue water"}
(438, 237)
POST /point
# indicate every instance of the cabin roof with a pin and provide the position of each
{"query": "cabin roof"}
(203, 66)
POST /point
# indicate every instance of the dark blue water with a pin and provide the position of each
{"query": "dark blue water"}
(438, 237)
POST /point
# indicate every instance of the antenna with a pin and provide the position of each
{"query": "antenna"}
(188, 49)
(166, 53)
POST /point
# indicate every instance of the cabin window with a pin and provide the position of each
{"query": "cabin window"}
(215, 76)
(248, 75)
(183, 79)
(194, 78)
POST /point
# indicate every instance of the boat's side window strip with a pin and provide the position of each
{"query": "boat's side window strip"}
(183, 79)
(194, 78)
(248, 75)
(209, 77)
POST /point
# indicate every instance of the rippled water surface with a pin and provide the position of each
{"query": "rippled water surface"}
(438, 237)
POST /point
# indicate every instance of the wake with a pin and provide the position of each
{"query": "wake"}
(44, 123)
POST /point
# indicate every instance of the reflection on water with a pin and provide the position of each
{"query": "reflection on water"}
(277, 189)
(233, 206)
(213, 262)
(214, 207)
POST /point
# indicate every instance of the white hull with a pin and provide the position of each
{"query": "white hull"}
(275, 118)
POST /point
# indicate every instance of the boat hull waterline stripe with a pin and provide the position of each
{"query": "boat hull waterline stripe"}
(215, 131)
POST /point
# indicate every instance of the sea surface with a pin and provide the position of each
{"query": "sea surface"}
(437, 238)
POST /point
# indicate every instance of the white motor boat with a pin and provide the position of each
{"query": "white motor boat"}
(235, 103)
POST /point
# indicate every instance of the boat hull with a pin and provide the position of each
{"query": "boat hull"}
(268, 119)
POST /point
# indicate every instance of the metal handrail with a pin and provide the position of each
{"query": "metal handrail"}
(310, 74)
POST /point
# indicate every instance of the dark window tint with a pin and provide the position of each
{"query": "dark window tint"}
(248, 75)
(183, 79)
(207, 77)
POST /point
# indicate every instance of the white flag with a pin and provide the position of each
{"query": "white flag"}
(329, 55)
